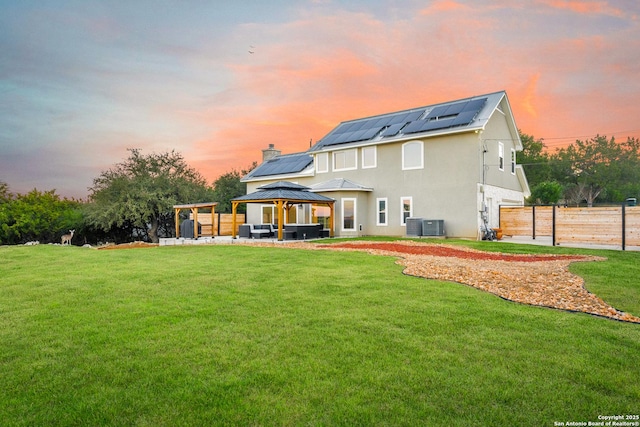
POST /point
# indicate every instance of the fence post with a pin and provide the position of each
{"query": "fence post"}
(624, 231)
(553, 225)
(533, 211)
(218, 223)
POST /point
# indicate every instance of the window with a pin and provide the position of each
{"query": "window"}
(345, 160)
(406, 209)
(322, 162)
(513, 161)
(412, 155)
(348, 214)
(500, 156)
(369, 157)
(268, 214)
(321, 215)
(381, 207)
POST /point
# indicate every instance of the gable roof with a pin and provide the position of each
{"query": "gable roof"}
(462, 115)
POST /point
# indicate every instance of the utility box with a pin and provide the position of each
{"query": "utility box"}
(432, 227)
(414, 226)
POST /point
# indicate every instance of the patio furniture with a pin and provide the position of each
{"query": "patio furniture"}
(245, 231)
(262, 230)
(304, 231)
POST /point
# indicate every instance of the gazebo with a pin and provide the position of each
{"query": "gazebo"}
(194, 207)
(283, 194)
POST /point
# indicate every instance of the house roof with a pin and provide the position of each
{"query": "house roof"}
(338, 184)
(283, 190)
(462, 115)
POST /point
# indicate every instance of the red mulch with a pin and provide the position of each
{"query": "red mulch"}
(447, 251)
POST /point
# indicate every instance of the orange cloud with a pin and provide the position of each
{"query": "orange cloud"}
(584, 7)
(443, 6)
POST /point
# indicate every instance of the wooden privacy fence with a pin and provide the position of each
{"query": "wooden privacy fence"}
(222, 223)
(606, 225)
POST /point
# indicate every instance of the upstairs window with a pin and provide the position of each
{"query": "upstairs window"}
(500, 156)
(513, 161)
(345, 160)
(412, 155)
(369, 157)
(322, 162)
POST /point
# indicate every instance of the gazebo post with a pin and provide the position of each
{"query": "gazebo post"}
(213, 209)
(194, 211)
(280, 219)
(331, 219)
(177, 220)
(234, 207)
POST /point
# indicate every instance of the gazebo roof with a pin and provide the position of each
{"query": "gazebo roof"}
(284, 190)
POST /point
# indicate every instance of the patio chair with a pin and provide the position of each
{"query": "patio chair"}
(260, 232)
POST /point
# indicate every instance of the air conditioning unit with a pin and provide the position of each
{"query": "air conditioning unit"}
(432, 227)
(414, 226)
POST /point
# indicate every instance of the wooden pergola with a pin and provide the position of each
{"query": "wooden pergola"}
(194, 207)
(283, 195)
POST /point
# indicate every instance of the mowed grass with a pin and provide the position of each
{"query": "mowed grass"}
(236, 335)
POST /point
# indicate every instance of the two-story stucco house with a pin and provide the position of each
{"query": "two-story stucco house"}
(454, 161)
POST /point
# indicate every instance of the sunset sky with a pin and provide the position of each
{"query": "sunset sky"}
(82, 81)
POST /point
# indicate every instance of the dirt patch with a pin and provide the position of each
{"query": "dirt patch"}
(132, 245)
(542, 280)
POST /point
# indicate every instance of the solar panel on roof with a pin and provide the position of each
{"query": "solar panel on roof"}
(464, 118)
(475, 105)
(414, 127)
(398, 118)
(283, 165)
(357, 135)
(371, 133)
(414, 116)
(329, 139)
(437, 112)
(345, 127)
(393, 129)
(436, 124)
(455, 108)
(382, 122)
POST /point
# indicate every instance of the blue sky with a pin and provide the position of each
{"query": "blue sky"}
(82, 81)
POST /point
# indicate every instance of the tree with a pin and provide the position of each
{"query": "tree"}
(599, 167)
(139, 193)
(37, 215)
(534, 159)
(229, 186)
(546, 192)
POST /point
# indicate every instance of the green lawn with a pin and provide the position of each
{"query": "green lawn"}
(236, 335)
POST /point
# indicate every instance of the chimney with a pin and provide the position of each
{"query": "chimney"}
(270, 153)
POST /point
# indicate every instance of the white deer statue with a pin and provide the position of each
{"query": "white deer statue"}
(66, 238)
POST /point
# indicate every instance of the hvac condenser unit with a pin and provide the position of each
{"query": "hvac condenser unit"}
(414, 226)
(432, 227)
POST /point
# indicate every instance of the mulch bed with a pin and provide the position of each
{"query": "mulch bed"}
(449, 251)
(541, 280)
